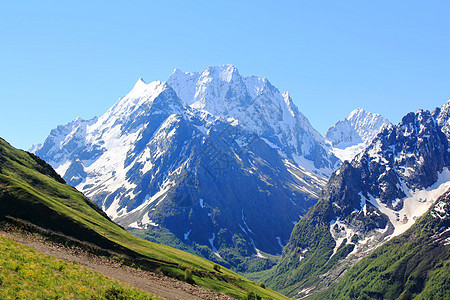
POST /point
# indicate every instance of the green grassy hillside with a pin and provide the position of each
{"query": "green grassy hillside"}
(28, 274)
(30, 190)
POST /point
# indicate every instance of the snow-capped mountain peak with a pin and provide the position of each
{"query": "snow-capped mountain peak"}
(225, 73)
(342, 135)
(367, 124)
(350, 136)
(442, 116)
(259, 107)
(378, 195)
(155, 95)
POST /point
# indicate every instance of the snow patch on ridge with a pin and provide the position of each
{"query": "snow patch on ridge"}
(213, 248)
(279, 242)
(415, 204)
(347, 153)
(186, 235)
(340, 231)
(245, 223)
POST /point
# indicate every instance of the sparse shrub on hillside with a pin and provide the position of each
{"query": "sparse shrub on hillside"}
(188, 276)
(216, 267)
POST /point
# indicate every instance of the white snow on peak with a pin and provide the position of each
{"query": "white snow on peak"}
(141, 96)
(367, 124)
(343, 135)
(254, 85)
(111, 137)
(140, 81)
(109, 142)
(184, 84)
(256, 104)
(35, 147)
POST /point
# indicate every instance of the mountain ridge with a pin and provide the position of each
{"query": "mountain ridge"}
(259, 107)
(376, 196)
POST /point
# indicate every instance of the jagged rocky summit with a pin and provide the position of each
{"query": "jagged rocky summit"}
(353, 134)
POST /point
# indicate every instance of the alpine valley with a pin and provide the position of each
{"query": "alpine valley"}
(226, 167)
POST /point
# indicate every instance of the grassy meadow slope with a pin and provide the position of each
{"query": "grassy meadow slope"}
(28, 274)
(32, 194)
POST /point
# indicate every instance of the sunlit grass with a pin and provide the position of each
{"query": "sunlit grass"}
(28, 274)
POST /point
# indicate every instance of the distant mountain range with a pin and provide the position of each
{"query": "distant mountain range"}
(224, 166)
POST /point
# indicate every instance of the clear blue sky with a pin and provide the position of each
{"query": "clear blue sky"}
(64, 59)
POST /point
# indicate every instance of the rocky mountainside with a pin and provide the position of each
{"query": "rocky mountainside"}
(352, 135)
(376, 196)
(414, 265)
(226, 186)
